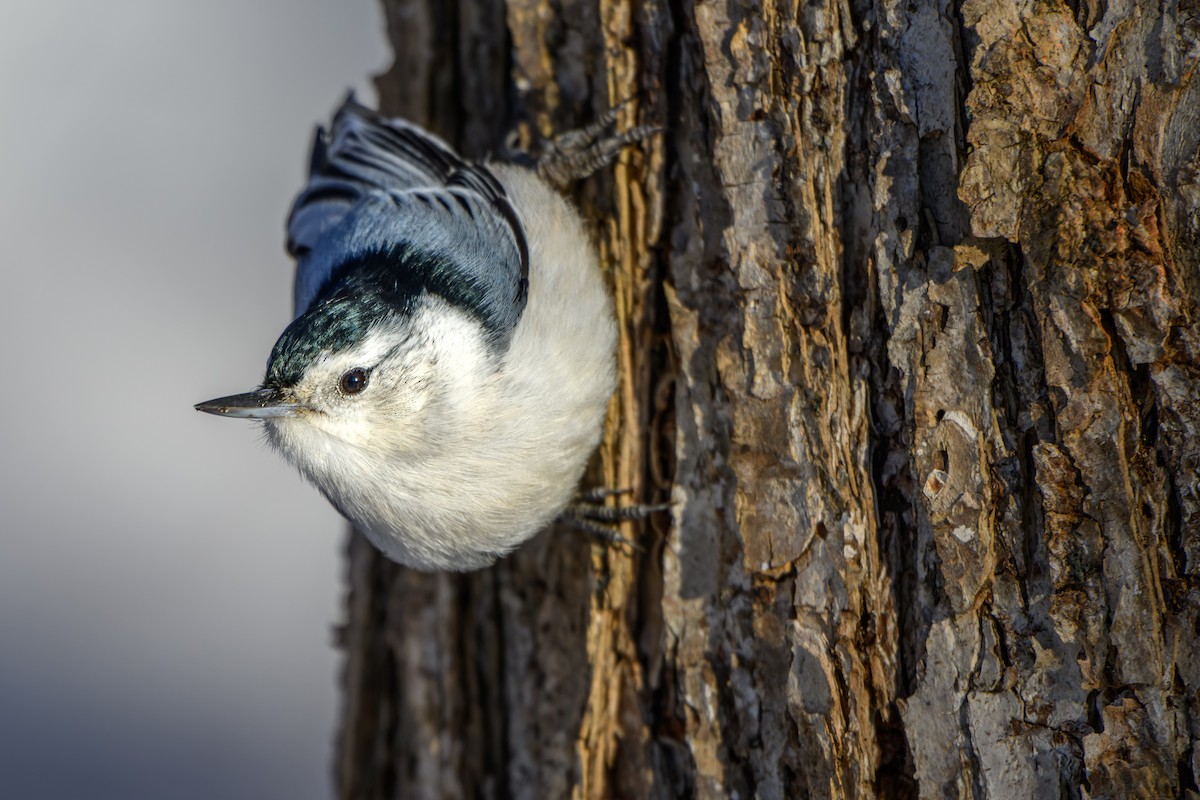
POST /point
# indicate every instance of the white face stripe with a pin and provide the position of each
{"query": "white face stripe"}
(382, 341)
(424, 373)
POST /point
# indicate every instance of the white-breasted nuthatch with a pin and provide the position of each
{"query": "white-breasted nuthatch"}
(447, 374)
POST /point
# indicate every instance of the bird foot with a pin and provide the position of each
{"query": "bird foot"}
(589, 514)
(576, 154)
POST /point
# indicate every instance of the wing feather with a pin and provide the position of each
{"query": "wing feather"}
(377, 184)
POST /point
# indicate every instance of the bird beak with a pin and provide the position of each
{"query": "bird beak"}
(260, 404)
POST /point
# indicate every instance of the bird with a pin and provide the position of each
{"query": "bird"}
(447, 374)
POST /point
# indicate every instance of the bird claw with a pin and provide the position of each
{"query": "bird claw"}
(589, 515)
(576, 154)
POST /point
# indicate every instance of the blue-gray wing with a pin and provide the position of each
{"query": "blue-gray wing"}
(377, 185)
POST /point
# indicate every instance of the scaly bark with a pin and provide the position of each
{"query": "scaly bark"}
(908, 300)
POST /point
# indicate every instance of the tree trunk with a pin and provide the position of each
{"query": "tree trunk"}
(908, 299)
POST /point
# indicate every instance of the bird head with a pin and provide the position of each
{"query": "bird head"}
(366, 365)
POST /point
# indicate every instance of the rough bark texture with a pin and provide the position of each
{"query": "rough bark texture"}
(908, 295)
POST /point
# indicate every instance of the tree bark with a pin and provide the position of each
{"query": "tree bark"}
(908, 296)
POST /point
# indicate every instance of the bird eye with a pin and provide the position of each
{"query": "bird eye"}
(353, 381)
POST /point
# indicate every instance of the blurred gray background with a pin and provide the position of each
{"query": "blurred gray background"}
(168, 586)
